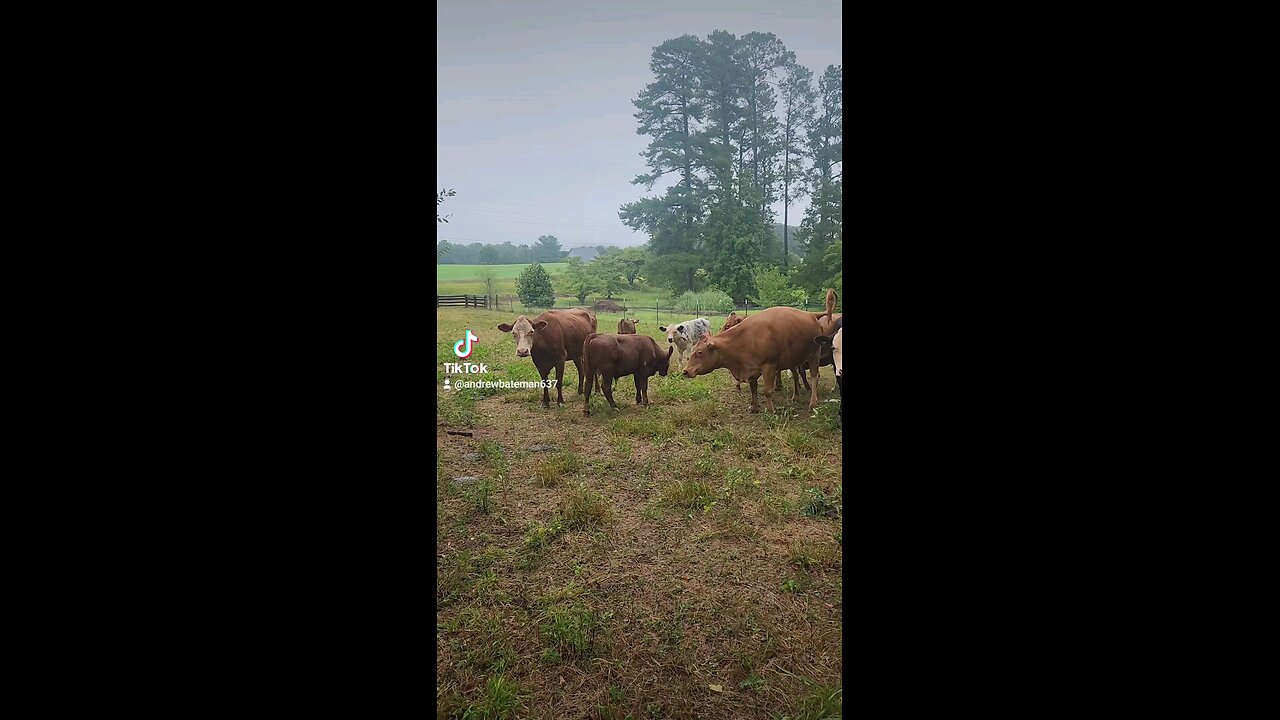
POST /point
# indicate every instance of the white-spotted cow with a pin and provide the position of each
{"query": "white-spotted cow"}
(684, 335)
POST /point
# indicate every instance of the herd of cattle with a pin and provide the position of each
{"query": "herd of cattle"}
(752, 349)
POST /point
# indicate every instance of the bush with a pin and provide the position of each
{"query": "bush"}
(709, 300)
(773, 288)
(534, 287)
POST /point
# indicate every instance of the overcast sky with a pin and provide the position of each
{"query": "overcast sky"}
(533, 104)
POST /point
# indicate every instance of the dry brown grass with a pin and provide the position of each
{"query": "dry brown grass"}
(611, 578)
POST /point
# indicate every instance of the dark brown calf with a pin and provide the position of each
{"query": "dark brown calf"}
(550, 339)
(612, 356)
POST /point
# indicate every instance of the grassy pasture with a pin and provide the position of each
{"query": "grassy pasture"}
(465, 280)
(680, 560)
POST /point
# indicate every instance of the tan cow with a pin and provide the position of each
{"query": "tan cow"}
(550, 339)
(759, 347)
(627, 327)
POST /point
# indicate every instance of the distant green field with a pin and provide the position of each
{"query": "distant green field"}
(503, 272)
(465, 280)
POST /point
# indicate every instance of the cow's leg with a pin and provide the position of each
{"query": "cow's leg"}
(770, 375)
(800, 371)
(578, 366)
(795, 383)
(755, 406)
(608, 391)
(546, 392)
(840, 389)
(636, 378)
(586, 403)
(642, 389)
(560, 383)
(813, 373)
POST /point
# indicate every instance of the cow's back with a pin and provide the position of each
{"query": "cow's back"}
(782, 336)
(565, 332)
(620, 354)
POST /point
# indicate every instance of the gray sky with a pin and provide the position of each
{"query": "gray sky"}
(533, 106)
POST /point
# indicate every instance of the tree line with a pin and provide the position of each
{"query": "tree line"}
(741, 126)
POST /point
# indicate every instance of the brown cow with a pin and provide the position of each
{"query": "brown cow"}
(551, 338)
(732, 320)
(627, 327)
(613, 356)
(771, 340)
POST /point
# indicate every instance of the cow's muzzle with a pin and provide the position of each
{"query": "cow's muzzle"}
(522, 353)
(687, 373)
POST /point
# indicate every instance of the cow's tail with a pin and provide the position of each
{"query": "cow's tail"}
(587, 375)
(831, 305)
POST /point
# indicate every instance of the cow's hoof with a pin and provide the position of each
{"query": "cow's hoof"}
(586, 412)
(755, 409)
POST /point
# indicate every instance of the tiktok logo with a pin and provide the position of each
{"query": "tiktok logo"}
(467, 340)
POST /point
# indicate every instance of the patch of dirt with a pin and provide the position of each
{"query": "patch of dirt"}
(607, 305)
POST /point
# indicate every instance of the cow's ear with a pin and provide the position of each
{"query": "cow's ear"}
(663, 328)
(670, 349)
(636, 322)
(822, 340)
(540, 324)
(504, 327)
(711, 344)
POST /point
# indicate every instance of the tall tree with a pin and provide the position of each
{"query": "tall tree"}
(825, 217)
(670, 110)
(489, 255)
(547, 249)
(797, 95)
(760, 56)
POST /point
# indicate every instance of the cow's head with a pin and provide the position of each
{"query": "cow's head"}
(836, 353)
(662, 363)
(523, 330)
(627, 327)
(730, 321)
(677, 335)
(705, 358)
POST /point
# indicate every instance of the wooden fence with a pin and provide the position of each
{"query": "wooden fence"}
(477, 301)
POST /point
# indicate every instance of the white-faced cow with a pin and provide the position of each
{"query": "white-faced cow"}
(684, 335)
(612, 356)
(761, 345)
(550, 339)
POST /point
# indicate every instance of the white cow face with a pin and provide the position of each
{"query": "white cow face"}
(837, 344)
(676, 335)
(523, 331)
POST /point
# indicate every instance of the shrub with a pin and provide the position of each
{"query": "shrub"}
(534, 287)
(709, 300)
